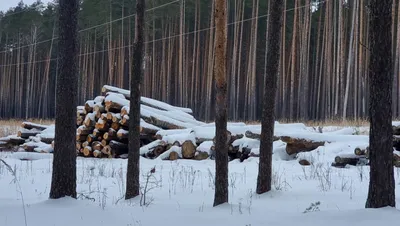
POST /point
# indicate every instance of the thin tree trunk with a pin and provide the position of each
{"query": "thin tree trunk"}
(132, 176)
(221, 116)
(270, 81)
(63, 182)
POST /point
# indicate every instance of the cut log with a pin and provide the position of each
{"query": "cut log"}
(112, 106)
(124, 121)
(78, 145)
(81, 138)
(173, 156)
(257, 136)
(29, 125)
(116, 117)
(85, 144)
(115, 126)
(99, 108)
(98, 133)
(105, 142)
(89, 106)
(79, 120)
(102, 126)
(106, 150)
(145, 100)
(87, 151)
(297, 145)
(348, 160)
(47, 140)
(80, 111)
(124, 111)
(188, 149)
(396, 130)
(97, 154)
(30, 146)
(28, 133)
(83, 130)
(123, 134)
(90, 120)
(91, 138)
(359, 151)
(110, 135)
(158, 150)
(118, 148)
(104, 117)
(201, 155)
(304, 162)
(96, 145)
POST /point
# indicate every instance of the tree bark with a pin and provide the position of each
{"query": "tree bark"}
(221, 157)
(63, 182)
(381, 191)
(132, 177)
(270, 87)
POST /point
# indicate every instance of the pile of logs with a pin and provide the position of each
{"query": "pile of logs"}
(166, 132)
(103, 126)
(31, 137)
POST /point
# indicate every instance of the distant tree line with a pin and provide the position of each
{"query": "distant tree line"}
(323, 64)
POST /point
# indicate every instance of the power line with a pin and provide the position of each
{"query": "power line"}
(174, 36)
(93, 27)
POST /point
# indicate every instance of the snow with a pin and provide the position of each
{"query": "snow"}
(205, 147)
(146, 148)
(155, 103)
(180, 137)
(148, 126)
(148, 112)
(99, 99)
(165, 155)
(182, 190)
(48, 133)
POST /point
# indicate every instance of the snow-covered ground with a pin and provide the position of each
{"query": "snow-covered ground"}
(181, 192)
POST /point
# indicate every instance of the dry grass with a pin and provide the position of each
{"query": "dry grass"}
(9, 127)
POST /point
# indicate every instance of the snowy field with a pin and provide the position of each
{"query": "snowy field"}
(181, 192)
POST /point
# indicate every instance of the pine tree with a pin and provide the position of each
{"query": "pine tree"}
(270, 88)
(132, 177)
(381, 191)
(221, 116)
(63, 182)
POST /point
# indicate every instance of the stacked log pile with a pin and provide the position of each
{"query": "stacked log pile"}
(167, 132)
(103, 125)
(31, 137)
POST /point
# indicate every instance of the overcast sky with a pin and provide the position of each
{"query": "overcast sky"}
(6, 4)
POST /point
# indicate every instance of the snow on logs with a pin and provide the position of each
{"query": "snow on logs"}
(168, 133)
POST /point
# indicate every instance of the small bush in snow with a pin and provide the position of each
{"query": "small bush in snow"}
(314, 207)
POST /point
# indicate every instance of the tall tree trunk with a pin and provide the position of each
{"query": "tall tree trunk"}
(132, 175)
(270, 87)
(221, 116)
(63, 182)
(381, 191)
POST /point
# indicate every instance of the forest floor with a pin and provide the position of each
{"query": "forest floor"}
(181, 192)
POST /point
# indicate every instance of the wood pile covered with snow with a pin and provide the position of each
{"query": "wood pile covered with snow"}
(170, 132)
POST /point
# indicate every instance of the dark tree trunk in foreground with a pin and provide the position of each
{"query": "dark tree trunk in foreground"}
(381, 186)
(221, 145)
(63, 182)
(270, 82)
(132, 177)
